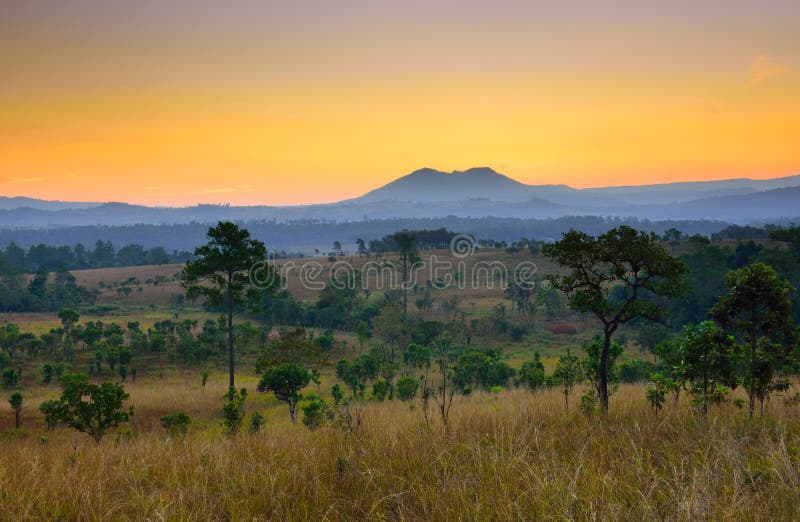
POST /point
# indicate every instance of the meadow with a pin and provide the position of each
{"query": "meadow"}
(512, 455)
(506, 453)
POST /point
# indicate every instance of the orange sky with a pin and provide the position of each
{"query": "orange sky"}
(265, 103)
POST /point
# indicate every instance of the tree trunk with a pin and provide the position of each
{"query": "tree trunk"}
(602, 388)
(752, 377)
(230, 333)
(405, 289)
(292, 412)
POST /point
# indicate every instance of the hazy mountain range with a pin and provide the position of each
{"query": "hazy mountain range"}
(474, 193)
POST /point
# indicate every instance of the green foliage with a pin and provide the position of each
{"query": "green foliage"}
(407, 388)
(594, 360)
(16, 405)
(635, 370)
(655, 395)
(757, 311)
(221, 270)
(532, 374)
(568, 373)
(609, 276)
(337, 394)
(315, 412)
(588, 402)
(292, 346)
(285, 382)
(257, 422)
(380, 387)
(709, 362)
(480, 368)
(233, 410)
(11, 378)
(176, 423)
(89, 408)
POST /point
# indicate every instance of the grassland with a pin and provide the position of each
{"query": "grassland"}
(511, 455)
(507, 456)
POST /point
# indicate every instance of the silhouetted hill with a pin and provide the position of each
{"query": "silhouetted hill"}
(475, 193)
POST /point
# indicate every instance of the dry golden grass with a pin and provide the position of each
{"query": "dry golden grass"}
(510, 455)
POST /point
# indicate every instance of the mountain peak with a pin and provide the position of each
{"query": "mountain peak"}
(428, 185)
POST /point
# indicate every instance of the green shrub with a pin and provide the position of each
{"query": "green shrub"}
(314, 413)
(407, 388)
(176, 423)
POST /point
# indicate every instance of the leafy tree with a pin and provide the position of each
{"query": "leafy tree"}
(757, 311)
(380, 387)
(89, 408)
(567, 374)
(285, 381)
(405, 241)
(631, 264)
(69, 318)
(221, 273)
(708, 357)
(16, 404)
(531, 374)
(407, 388)
(482, 368)
(292, 346)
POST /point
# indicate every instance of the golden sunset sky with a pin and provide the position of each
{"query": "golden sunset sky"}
(175, 103)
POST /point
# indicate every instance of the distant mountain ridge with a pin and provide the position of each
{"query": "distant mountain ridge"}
(472, 193)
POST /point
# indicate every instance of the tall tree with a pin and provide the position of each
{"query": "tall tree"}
(611, 276)
(221, 273)
(407, 248)
(757, 311)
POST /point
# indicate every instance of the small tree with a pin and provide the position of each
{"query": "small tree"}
(233, 410)
(709, 362)
(16, 405)
(89, 408)
(531, 374)
(567, 374)
(758, 312)
(285, 381)
(407, 388)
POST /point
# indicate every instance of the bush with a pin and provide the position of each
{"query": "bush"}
(257, 422)
(176, 423)
(407, 388)
(588, 402)
(337, 394)
(379, 389)
(635, 370)
(233, 411)
(314, 413)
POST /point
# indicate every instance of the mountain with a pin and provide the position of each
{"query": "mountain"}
(473, 193)
(429, 185)
(8, 203)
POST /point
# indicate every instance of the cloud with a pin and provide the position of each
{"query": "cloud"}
(764, 67)
(26, 180)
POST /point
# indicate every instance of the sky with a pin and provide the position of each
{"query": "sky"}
(259, 102)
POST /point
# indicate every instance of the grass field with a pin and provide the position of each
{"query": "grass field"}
(510, 455)
(507, 456)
